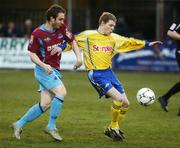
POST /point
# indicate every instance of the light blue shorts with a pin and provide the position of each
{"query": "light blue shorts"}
(47, 81)
(104, 80)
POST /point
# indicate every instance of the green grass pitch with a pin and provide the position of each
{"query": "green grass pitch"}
(84, 116)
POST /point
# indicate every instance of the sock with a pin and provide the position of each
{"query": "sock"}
(115, 108)
(55, 110)
(172, 91)
(122, 113)
(34, 112)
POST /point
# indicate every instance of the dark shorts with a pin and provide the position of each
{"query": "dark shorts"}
(104, 80)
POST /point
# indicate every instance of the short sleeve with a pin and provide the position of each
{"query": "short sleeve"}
(33, 45)
(69, 37)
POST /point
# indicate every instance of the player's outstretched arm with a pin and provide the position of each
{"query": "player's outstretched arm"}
(155, 43)
(78, 55)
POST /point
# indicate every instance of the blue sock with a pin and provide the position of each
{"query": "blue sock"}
(55, 110)
(34, 112)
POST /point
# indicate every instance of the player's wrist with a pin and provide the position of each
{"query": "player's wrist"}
(147, 43)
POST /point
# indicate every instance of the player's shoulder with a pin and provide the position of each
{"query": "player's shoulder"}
(176, 22)
(88, 32)
(115, 36)
(37, 31)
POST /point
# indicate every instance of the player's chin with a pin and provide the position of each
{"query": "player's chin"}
(59, 26)
(109, 33)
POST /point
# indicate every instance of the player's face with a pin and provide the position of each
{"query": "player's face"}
(108, 27)
(59, 21)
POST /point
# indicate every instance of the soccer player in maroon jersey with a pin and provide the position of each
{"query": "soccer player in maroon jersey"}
(48, 36)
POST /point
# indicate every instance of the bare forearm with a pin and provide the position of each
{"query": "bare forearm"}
(76, 50)
(35, 59)
(78, 55)
(173, 35)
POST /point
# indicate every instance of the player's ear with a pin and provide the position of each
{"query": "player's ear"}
(52, 19)
(103, 23)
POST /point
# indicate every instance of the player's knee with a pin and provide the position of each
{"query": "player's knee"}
(124, 101)
(126, 104)
(64, 93)
(61, 92)
(117, 104)
(45, 106)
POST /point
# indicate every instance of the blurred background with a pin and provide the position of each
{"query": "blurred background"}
(84, 117)
(142, 19)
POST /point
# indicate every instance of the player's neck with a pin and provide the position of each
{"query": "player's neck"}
(49, 26)
(101, 30)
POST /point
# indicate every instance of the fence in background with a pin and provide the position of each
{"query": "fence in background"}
(14, 54)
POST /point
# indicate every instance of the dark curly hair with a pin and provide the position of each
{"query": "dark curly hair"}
(53, 11)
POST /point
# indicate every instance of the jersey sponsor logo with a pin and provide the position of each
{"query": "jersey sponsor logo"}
(60, 36)
(49, 48)
(102, 49)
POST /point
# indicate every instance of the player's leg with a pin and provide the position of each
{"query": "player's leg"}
(123, 110)
(55, 110)
(102, 82)
(56, 104)
(34, 112)
(173, 90)
(123, 105)
(164, 98)
(120, 102)
(54, 85)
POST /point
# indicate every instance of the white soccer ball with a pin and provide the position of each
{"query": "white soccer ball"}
(145, 96)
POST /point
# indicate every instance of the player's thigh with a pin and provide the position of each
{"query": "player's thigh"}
(116, 95)
(46, 98)
(47, 81)
(59, 90)
(100, 81)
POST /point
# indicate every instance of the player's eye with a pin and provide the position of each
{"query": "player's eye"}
(61, 19)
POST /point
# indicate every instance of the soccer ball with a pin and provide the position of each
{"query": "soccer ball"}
(145, 96)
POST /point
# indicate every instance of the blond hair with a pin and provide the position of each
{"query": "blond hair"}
(106, 16)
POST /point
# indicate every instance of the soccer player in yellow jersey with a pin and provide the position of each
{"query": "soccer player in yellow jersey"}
(99, 47)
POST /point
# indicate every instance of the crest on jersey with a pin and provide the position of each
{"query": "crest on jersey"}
(60, 35)
(47, 39)
(68, 34)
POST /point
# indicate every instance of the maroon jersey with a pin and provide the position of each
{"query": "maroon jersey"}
(42, 40)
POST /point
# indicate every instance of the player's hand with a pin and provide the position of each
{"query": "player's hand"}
(56, 50)
(77, 65)
(47, 68)
(155, 43)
